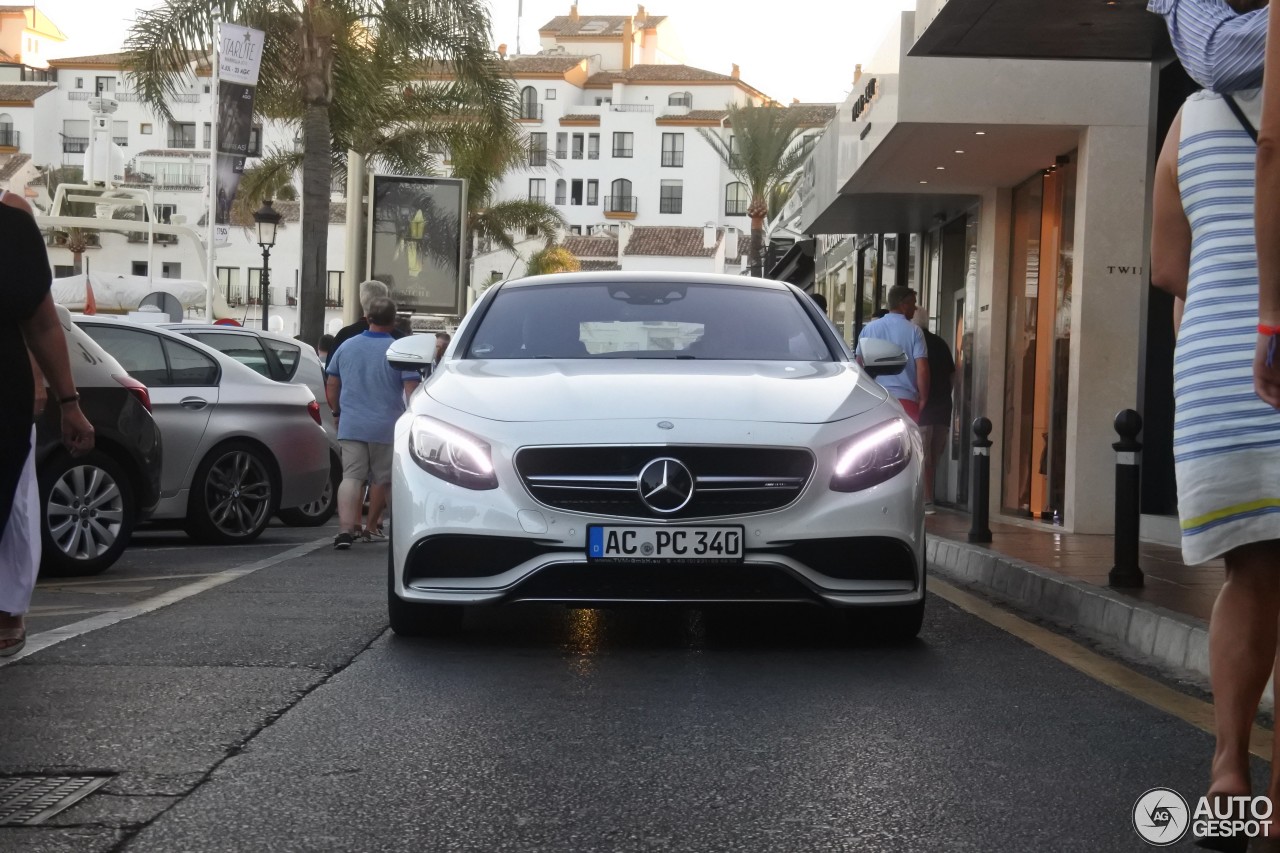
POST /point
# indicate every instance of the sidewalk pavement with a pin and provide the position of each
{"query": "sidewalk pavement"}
(1062, 577)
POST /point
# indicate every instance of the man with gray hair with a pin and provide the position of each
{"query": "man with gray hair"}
(367, 397)
(369, 291)
(911, 386)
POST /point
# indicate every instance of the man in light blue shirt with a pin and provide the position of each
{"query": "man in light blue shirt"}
(367, 397)
(1219, 42)
(911, 386)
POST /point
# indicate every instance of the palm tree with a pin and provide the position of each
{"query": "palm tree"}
(764, 156)
(482, 160)
(370, 51)
(552, 259)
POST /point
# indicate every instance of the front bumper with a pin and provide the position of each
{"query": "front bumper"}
(459, 546)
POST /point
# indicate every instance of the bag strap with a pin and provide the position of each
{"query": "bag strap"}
(1242, 118)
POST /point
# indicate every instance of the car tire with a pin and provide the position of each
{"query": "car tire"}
(899, 623)
(318, 512)
(415, 619)
(234, 493)
(87, 513)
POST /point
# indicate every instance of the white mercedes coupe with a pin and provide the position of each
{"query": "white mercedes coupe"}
(598, 438)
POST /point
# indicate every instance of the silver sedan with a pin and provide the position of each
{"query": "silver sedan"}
(238, 446)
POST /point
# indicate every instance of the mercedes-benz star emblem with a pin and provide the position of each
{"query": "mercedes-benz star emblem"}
(666, 485)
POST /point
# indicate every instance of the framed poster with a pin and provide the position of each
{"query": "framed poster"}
(416, 248)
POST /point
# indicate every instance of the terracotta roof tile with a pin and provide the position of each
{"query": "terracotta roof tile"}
(582, 117)
(292, 211)
(595, 246)
(815, 114)
(657, 72)
(117, 60)
(586, 25)
(12, 164)
(640, 73)
(605, 78)
(518, 65)
(670, 240)
(599, 266)
(24, 91)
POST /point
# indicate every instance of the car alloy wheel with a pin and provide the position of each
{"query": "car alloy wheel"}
(237, 493)
(317, 512)
(88, 513)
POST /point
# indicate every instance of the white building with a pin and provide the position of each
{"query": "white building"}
(614, 120)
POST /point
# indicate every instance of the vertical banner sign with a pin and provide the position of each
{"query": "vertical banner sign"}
(239, 58)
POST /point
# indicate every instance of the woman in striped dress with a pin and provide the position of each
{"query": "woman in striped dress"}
(1226, 440)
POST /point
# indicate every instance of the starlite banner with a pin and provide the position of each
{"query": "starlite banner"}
(239, 59)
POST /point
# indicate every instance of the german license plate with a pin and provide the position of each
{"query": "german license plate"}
(664, 544)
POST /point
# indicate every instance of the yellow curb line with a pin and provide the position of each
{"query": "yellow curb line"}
(1111, 673)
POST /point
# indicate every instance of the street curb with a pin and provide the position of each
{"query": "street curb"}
(1146, 632)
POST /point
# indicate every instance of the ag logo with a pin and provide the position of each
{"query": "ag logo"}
(1161, 817)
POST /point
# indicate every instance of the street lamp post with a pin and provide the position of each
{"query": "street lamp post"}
(267, 218)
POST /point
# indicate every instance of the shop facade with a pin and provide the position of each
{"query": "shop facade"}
(1016, 191)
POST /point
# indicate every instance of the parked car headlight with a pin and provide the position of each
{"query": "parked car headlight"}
(871, 457)
(451, 454)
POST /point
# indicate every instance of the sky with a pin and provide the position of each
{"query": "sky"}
(803, 49)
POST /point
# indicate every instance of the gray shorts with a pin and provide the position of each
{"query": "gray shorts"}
(366, 461)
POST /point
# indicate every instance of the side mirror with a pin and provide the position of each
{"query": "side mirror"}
(415, 352)
(881, 358)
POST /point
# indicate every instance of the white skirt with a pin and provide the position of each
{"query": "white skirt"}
(20, 544)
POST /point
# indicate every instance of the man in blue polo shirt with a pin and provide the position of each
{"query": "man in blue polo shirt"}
(911, 386)
(367, 397)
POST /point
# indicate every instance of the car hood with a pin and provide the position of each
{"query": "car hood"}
(607, 389)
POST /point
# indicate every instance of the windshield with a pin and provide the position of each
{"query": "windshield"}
(648, 320)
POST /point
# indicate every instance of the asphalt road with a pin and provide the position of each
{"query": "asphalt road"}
(272, 710)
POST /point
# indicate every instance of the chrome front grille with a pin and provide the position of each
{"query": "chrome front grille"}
(605, 480)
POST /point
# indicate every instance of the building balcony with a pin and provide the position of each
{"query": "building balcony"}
(631, 108)
(593, 155)
(122, 141)
(621, 206)
(623, 152)
(735, 208)
(75, 144)
(538, 157)
(562, 153)
(128, 97)
(673, 158)
(179, 142)
(562, 199)
(79, 96)
(540, 198)
(531, 112)
(9, 137)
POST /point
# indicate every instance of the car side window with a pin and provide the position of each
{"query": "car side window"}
(288, 356)
(138, 352)
(246, 349)
(189, 366)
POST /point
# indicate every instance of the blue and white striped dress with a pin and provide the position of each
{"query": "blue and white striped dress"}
(1226, 442)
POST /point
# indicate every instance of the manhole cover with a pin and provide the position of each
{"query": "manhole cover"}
(28, 800)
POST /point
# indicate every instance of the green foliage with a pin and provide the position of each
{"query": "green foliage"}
(764, 157)
(552, 259)
(347, 74)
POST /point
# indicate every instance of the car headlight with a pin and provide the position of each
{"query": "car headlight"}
(871, 457)
(451, 454)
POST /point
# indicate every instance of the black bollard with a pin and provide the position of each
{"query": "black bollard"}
(1126, 573)
(980, 483)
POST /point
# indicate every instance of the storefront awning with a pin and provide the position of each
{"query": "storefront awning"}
(796, 266)
(1046, 29)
